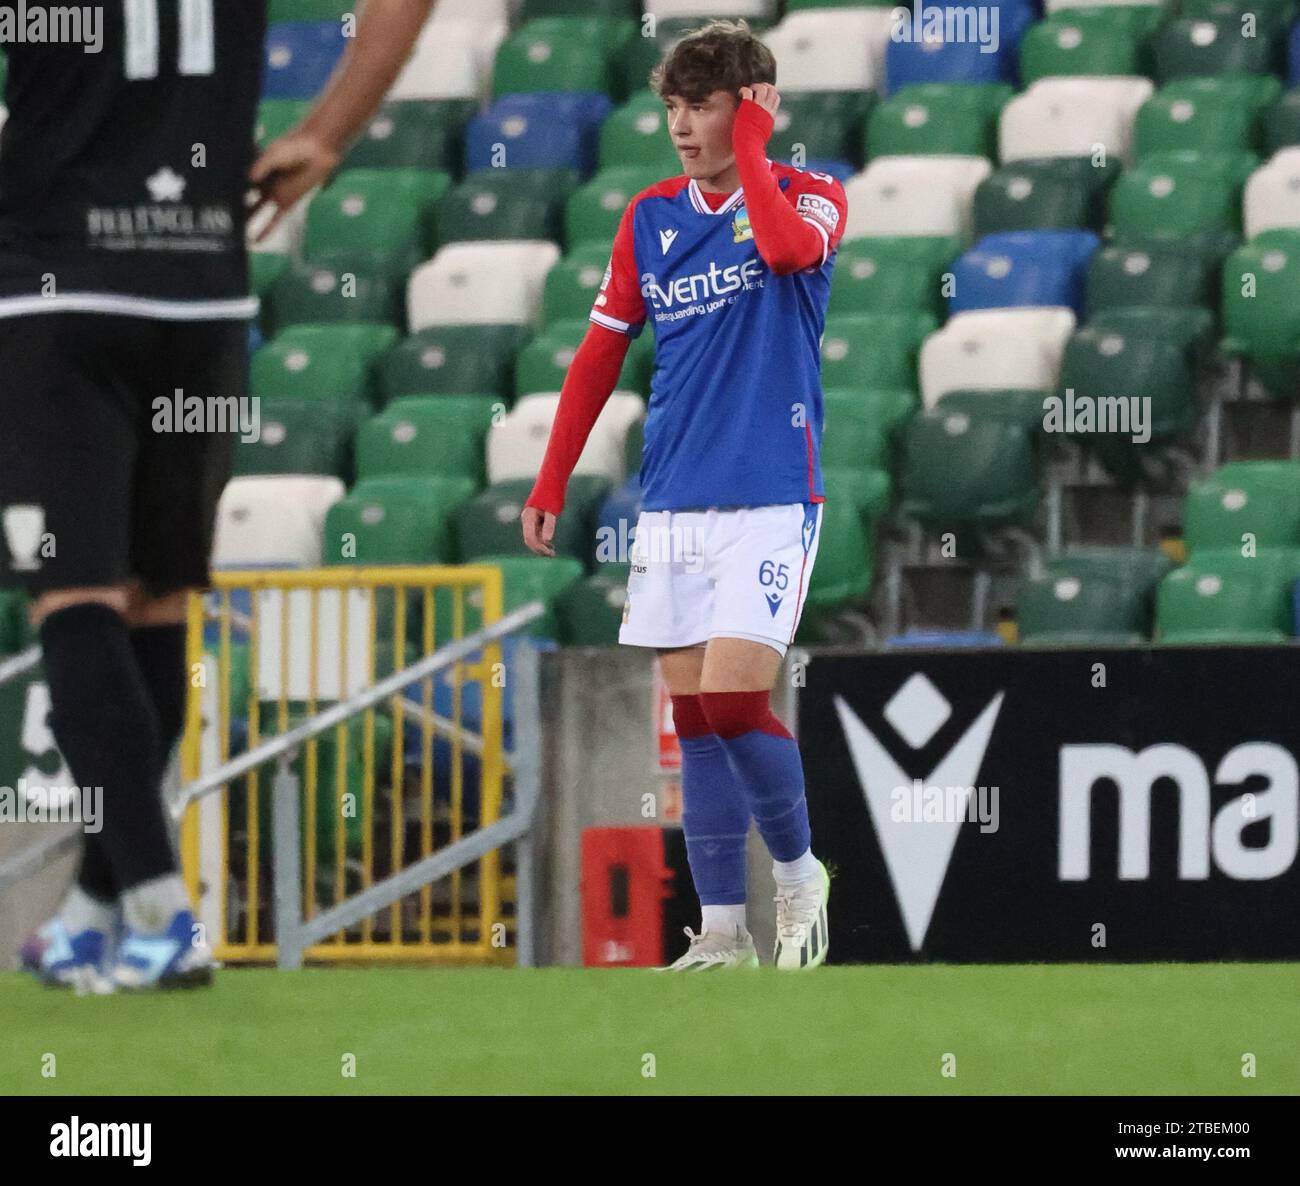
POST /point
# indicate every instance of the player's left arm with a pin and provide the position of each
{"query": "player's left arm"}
(796, 228)
(305, 156)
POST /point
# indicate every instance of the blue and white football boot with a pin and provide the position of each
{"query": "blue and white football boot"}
(174, 958)
(59, 958)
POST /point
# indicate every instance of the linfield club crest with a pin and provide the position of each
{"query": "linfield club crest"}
(740, 228)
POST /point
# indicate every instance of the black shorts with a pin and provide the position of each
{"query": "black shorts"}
(92, 494)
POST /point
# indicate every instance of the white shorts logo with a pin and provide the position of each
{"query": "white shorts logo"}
(24, 527)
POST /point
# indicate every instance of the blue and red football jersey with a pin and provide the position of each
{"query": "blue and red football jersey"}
(735, 415)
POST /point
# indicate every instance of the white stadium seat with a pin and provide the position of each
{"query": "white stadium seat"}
(1068, 116)
(840, 49)
(988, 349)
(287, 238)
(1272, 197)
(269, 522)
(516, 446)
(664, 10)
(914, 195)
(451, 60)
(481, 283)
(479, 12)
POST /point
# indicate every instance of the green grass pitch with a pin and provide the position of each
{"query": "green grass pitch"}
(1148, 1029)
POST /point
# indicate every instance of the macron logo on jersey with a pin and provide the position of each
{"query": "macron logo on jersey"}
(689, 290)
(666, 239)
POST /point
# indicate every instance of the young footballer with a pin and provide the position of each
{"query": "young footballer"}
(731, 262)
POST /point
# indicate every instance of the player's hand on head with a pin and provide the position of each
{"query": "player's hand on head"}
(539, 530)
(287, 170)
(764, 94)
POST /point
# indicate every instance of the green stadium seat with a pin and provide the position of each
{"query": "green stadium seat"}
(593, 212)
(506, 204)
(867, 490)
(888, 408)
(1213, 121)
(542, 365)
(298, 436)
(958, 470)
(489, 523)
(1050, 193)
(1170, 199)
(845, 563)
(567, 53)
(379, 216)
(1225, 598)
(15, 629)
(1255, 91)
(424, 134)
(890, 275)
(536, 9)
(591, 610)
(436, 437)
(855, 437)
(453, 359)
(813, 126)
(537, 578)
(1270, 14)
(1120, 277)
(1055, 610)
(1021, 408)
(636, 134)
(873, 349)
(306, 294)
(573, 283)
(1187, 327)
(308, 10)
(1255, 499)
(395, 520)
(1261, 308)
(275, 117)
(937, 121)
(1186, 48)
(321, 362)
(1082, 41)
(264, 269)
(1141, 567)
(1282, 122)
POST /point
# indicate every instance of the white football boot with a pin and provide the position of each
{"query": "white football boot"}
(801, 936)
(714, 950)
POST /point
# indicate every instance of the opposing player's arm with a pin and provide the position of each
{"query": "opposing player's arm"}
(617, 317)
(793, 229)
(304, 157)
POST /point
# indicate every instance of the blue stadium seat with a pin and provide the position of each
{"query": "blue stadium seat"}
(299, 58)
(1024, 268)
(920, 639)
(908, 62)
(585, 107)
(533, 138)
(617, 517)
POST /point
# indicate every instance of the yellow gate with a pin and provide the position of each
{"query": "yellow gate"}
(392, 784)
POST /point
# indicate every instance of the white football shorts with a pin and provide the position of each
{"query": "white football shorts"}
(739, 572)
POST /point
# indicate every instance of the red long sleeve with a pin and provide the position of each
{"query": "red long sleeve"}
(591, 379)
(784, 239)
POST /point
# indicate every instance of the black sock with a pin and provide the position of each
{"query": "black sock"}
(160, 656)
(107, 729)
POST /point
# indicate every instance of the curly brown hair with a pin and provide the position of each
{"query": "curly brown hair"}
(720, 56)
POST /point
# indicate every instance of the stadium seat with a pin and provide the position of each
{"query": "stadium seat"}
(572, 284)
(497, 204)
(591, 611)
(415, 134)
(1222, 597)
(485, 12)
(451, 60)
(1143, 568)
(517, 444)
(1089, 610)
(1255, 499)
(379, 218)
(1050, 193)
(1120, 277)
(938, 119)
(701, 9)
(1071, 116)
(542, 365)
(593, 212)
(1163, 199)
(845, 565)
(997, 349)
(453, 359)
(534, 578)
(1017, 268)
(330, 363)
(1189, 327)
(397, 519)
(637, 135)
(814, 129)
(300, 57)
(1282, 122)
(275, 117)
(298, 436)
(270, 522)
(961, 59)
(488, 523)
(836, 50)
(1214, 120)
(958, 471)
(873, 349)
(481, 284)
(306, 293)
(1269, 201)
(1085, 41)
(857, 437)
(510, 135)
(564, 53)
(535, 9)
(433, 437)
(264, 269)
(1197, 47)
(928, 195)
(307, 10)
(1023, 408)
(1261, 308)
(887, 275)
